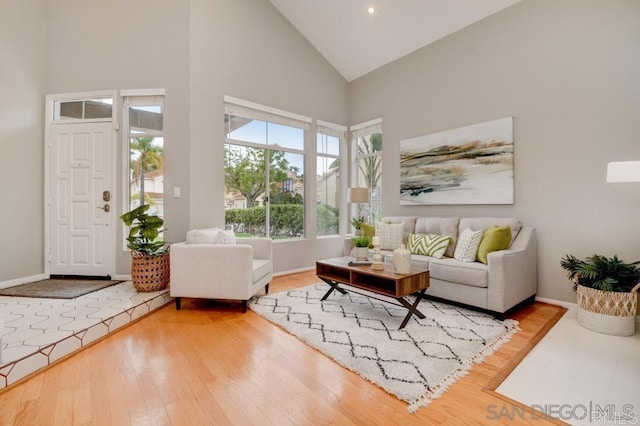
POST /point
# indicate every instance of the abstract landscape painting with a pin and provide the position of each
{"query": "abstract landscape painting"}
(467, 165)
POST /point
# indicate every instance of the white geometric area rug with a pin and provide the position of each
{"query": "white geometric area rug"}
(416, 364)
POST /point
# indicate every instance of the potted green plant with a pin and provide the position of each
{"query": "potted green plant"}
(361, 250)
(606, 290)
(150, 255)
(357, 222)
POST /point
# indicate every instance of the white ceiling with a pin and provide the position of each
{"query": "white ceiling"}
(355, 42)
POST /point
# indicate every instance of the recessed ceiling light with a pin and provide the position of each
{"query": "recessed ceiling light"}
(371, 11)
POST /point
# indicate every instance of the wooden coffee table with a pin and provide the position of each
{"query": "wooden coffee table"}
(383, 282)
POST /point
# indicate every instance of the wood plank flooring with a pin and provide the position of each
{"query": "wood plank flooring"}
(211, 364)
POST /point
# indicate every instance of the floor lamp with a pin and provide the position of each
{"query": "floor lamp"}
(359, 196)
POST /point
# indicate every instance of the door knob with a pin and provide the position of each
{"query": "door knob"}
(106, 208)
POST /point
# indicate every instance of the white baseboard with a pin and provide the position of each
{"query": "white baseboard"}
(23, 280)
(570, 305)
(562, 303)
(121, 277)
(18, 281)
(294, 271)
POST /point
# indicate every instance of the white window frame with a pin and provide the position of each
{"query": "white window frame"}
(339, 131)
(357, 131)
(129, 98)
(54, 100)
(247, 109)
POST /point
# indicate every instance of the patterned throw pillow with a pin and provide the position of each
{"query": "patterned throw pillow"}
(428, 244)
(391, 234)
(467, 246)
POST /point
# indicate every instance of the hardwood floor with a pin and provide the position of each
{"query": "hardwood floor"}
(211, 364)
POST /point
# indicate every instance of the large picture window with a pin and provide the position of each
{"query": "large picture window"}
(264, 171)
(367, 171)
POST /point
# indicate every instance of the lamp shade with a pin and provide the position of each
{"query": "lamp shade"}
(358, 195)
(623, 171)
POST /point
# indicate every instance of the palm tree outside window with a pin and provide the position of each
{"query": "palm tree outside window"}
(146, 157)
(146, 152)
(367, 173)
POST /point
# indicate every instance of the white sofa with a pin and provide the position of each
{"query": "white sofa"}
(508, 279)
(204, 267)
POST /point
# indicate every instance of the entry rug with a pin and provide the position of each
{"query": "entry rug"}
(416, 364)
(58, 288)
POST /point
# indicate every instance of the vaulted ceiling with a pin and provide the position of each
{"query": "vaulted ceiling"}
(357, 42)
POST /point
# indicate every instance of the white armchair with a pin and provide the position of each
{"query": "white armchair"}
(200, 268)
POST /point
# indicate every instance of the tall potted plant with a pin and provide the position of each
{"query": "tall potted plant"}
(150, 256)
(606, 289)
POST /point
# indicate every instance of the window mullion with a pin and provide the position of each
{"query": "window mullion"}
(267, 189)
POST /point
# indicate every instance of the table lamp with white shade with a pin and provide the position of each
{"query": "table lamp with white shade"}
(359, 196)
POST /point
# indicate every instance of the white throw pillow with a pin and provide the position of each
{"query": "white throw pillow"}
(391, 234)
(203, 236)
(467, 247)
(226, 237)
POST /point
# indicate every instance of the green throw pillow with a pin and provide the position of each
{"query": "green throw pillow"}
(368, 230)
(494, 239)
(428, 244)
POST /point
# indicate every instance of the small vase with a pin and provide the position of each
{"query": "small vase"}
(401, 260)
(361, 253)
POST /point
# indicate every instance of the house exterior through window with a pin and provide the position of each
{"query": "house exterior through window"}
(144, 119)
(264, 170)
(329, 146)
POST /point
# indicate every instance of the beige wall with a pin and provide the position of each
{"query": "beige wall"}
(567, 71)
(120, 44)
(198, 51)
(247, 50)
(22, 74)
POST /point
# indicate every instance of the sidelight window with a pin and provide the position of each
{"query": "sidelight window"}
(144, 118)
(366, 141)
(329, 146)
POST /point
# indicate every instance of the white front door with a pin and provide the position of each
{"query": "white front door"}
(81, 199)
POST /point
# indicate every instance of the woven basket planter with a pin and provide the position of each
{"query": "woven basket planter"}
(607, 312)
(150, 273)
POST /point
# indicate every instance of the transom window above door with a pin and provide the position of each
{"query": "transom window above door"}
(83, 109)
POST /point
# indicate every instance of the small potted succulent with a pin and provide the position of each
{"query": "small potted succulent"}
(357, 222)
(606, 290)
(361, 250)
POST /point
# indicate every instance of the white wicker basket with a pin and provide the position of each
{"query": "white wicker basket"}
(607, 312)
